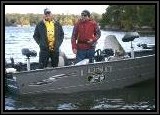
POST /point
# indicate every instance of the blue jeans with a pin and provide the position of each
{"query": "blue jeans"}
(85, 54)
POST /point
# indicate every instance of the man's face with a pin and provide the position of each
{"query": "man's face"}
(84, 16)
(48, 16)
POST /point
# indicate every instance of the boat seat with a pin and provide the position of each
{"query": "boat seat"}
(130, 36)
(29, 53)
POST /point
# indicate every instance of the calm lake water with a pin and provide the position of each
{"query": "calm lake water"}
(140, 97)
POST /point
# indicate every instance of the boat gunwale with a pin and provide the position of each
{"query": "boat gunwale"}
(68, 66)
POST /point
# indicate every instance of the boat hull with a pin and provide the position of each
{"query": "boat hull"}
(97, 76)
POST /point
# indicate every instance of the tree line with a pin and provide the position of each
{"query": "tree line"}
(14, 19)
(128, 17)
(123, 17)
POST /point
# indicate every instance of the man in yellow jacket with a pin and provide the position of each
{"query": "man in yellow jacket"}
(49, 36)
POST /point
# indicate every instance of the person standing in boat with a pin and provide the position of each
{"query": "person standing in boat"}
(85, 34)
(49, 36)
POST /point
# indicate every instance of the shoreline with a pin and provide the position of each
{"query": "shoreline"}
(142, 32)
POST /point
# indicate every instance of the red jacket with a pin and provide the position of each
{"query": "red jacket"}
(82, 32)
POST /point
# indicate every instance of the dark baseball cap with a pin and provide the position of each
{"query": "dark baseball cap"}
(47, 11)
(86, 12)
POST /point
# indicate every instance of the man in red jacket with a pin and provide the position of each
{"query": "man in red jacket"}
(85, 34)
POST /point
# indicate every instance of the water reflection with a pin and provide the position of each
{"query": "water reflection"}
(139, 97)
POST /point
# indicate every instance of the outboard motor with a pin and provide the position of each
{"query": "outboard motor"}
(28, 53)
(130, 36)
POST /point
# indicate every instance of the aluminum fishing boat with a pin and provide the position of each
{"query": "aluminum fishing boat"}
(111, 68)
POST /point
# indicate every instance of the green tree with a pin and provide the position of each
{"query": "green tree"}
(128, 17)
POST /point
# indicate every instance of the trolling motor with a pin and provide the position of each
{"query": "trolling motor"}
(130, 36)
(28, 53)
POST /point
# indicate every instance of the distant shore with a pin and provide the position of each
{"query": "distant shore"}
(143, 31)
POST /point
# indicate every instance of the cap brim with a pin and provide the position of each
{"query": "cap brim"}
(47, 12)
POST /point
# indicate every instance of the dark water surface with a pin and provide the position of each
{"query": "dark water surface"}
(138, 97)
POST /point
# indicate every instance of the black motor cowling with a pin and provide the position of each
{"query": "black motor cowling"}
(98, 55)
(101, 55)
(29, 53)
(108, 52)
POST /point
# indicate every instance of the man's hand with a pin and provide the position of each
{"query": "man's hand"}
(90, 41)
(75, 51)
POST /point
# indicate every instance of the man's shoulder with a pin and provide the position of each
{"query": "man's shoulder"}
(40, 22)
(92, 21)
(57, 22)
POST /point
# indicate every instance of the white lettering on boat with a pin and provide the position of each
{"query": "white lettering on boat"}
(97, 74)
(100, 68)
